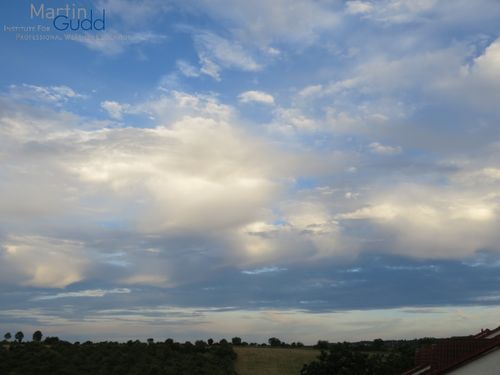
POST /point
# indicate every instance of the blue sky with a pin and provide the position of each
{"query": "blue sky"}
(301, 169)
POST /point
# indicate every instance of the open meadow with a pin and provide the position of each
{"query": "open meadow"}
(272, 361)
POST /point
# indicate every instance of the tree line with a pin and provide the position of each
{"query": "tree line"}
(54, 356)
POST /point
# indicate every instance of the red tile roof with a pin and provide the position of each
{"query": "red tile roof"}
(449, 354)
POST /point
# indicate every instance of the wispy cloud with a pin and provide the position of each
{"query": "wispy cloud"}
(215, 52)
(90, 293)
(259, 271)
(256, 96)
(48, 94)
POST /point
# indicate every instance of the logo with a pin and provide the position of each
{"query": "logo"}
(70, 17)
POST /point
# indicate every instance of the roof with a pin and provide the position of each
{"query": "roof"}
(488, 333)
(449, 354)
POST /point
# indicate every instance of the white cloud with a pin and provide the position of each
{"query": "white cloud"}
(256, 96)
(264, 22)
(359, 7)
(209, 68)
(474, 84)
(380, 149)
(187, 69)
(114, 109)
(291, 120)
(215, 52)
(42, 261)
(431, 221)
(195, 173)
(90, 293)
(259, 271)
(395, 11)
(49, 94)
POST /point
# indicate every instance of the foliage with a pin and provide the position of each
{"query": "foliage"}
(346, 359)
(56, 357)
(273, 341)
(19, 336)
(37, 336)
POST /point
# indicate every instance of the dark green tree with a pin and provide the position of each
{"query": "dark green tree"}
(19, 336)
(273, 341)
(236, 340)
(7, 336)
(322, 344)
(342, 359)
(37, 336)
(378, 344)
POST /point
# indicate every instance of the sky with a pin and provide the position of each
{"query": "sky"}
(305, 169)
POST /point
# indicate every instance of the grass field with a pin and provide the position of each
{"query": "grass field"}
(272, 361)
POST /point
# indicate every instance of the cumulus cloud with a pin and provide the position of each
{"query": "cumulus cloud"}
(474, 83)
(256, 96)
(193, 175)
(42, 261)
(431, 221)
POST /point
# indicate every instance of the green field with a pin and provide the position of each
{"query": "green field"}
(272, 361)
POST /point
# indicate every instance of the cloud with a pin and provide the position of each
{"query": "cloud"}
(380, 149)
(259, 271)
(256, 96)
(475, 83)
(263, 23)
(394, 11)
(215, 52)
(359, 7)
(91, 293)
(114, 109)
(47, 94)
(42, 261)
(193, 179)
(187, 69)
(431, 221)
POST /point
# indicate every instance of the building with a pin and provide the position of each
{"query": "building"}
(473, 355)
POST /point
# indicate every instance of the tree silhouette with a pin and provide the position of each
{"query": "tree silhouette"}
(273, 341)
(236, 340)
(37, 336)
(19, 336)
(7, 336)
